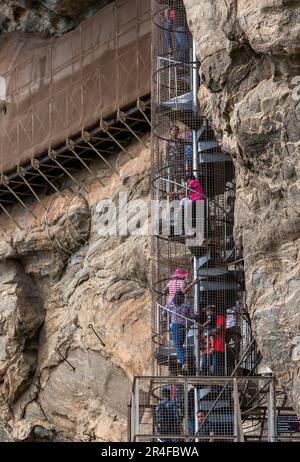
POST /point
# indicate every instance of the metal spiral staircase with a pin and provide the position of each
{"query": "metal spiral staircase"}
(238, 402)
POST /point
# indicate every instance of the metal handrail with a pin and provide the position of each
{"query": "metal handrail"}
(194, 381)
(174, 61)
(227, 383)
(241, 315)
(227, 346)
(213, 380)
(190, 190)
(179, 315)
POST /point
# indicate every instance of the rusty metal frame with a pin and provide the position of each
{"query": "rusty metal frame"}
(36, 165)
(71, 146)
(121, 117)
(72, 100)
(53, 155)
(5, 182)
(105, 128)
(79, 148)
(22, 175)
(10, 217)
(87, 138)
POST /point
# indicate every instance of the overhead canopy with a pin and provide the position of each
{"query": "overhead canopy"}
(56, 87)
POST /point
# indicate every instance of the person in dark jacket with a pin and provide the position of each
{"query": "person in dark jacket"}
(204, 428)
(182, 34)
(167, 419)
(168, 26)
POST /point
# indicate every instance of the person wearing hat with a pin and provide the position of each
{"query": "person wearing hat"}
(178, 282)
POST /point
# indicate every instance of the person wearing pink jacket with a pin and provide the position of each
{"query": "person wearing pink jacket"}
(195, 192)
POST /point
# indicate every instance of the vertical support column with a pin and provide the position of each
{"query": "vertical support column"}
(272, 430)
(129, 422)
(136, 417)
(196, 412)
(132, 419)
(195, 87)
(238, 424)
(235, 421)
(186, 409)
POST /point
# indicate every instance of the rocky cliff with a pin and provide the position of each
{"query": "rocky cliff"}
(71, 303)
(50, 16)
(250, 59)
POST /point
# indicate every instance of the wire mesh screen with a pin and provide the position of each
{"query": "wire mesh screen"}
(200, 323)
(206, 387)
(210, 409)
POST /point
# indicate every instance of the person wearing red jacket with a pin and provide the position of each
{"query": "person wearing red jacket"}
(213, 356)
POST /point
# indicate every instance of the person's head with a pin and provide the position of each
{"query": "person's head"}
(201, 415)
(210, 309)
(178, 298)
(166, 391)
(180, 273)
(174, 132)
(189, 177)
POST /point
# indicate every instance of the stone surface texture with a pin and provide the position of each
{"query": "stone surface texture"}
(250, 59)
(54, 17)
(60, 283)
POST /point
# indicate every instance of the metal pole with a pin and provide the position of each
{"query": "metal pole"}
(132, 428)
(157, 315)
(272, 431)
(238, 424)
(129, 422)
(186, 409)
(196, 408)
(137, 411)
(195, 87)
(235, 416)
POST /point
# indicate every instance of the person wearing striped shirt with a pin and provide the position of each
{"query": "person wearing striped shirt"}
(178, 282)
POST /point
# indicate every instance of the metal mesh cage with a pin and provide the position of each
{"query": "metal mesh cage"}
(208, 331)
(206, 387)
(209, 409)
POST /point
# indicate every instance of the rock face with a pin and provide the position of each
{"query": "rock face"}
(71, 303)
(51, 16)
(250, 55)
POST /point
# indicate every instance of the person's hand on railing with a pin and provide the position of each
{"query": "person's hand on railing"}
(175, 194)
(190, 286)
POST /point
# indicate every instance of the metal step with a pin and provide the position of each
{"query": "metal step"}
(206, 405)
(206, 158)
(179, 102)
(206, 286)
(181, 109)
(205, 145)
(217, 271)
